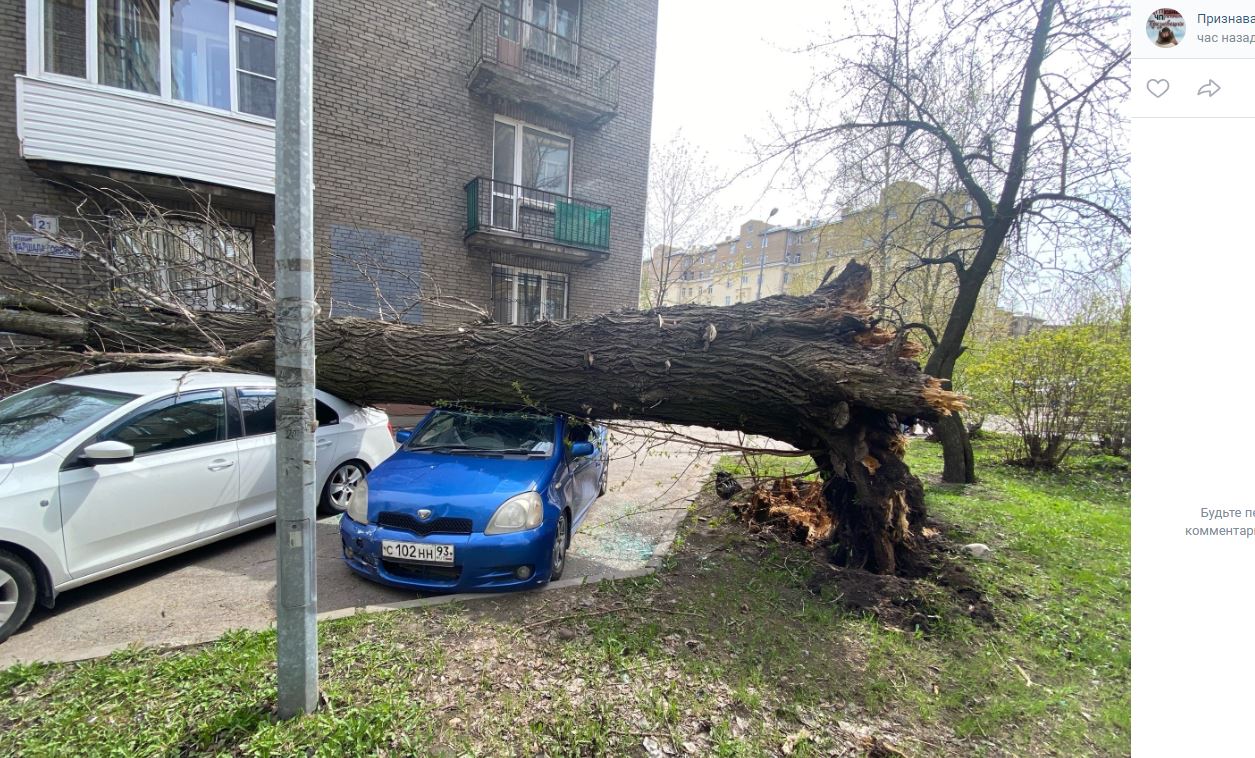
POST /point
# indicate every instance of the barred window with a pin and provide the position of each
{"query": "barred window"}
(203, 266)
(521, 296)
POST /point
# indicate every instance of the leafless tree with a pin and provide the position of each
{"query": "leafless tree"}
(682, 215)
(1017, 102)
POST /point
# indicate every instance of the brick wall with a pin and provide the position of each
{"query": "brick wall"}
(397, 136)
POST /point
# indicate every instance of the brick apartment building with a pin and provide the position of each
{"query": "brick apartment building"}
(495, 153)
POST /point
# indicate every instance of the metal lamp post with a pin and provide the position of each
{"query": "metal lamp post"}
(295, 308)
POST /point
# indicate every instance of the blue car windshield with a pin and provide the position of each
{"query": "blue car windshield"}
(488, 432)
(35, 421)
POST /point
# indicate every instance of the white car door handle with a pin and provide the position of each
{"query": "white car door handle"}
(325, 443)
(220, 464)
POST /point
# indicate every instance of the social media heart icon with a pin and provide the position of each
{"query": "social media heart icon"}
(1157, 87)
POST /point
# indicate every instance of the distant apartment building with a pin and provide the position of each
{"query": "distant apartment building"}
(889, 236)
(761, 260)
(494, 153)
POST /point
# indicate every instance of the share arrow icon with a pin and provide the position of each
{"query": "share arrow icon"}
(1209, 89)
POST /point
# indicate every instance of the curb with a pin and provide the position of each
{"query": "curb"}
(468, 597)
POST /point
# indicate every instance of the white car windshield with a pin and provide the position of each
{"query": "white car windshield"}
(492, 432)
(37, 420)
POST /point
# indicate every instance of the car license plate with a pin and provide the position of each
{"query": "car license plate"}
(420, 552)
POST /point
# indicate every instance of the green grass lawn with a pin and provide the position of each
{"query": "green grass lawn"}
(735, 648)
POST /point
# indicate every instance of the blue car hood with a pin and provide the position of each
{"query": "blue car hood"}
(459, 486)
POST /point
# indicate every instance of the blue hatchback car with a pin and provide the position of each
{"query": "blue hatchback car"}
(476, 501)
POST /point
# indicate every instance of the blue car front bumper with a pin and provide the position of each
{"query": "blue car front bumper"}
(482, 563)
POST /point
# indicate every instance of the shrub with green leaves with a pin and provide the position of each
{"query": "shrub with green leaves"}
(1056, 386)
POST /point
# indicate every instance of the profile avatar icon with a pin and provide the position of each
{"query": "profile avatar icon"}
(1165, 27)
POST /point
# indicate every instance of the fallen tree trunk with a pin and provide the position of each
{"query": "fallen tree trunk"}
(815, 372)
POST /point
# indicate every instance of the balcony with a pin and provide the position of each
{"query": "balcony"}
(509, 218)
(521, 62)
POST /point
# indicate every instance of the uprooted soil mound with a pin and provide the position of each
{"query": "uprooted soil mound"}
(794, 506)
(935, 584)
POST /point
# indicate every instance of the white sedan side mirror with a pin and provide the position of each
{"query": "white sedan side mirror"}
(109, 451)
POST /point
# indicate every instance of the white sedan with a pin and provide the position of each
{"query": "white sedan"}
(100, 474)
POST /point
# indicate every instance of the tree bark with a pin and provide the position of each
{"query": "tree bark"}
(816, 372)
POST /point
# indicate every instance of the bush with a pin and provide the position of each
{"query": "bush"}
(1057, 386)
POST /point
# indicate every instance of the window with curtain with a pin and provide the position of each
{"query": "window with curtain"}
(222, 52)
(552, 28)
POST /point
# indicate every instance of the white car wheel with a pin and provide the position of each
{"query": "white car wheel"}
(17, 593)
(341, 487)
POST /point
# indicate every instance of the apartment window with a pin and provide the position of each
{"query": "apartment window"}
(749, 243)
(202, 267)
(256, 71)
(222, 52)
(521, 296)
(532, 157)
(745, 278)
(65, 37)
(552, 27)
(786, 278)
(727, 300)
(764, 243)
(128, 44)
(200, 55)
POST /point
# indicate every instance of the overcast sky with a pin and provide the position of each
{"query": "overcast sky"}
(722, 68)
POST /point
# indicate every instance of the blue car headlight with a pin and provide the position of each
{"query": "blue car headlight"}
(517, 514)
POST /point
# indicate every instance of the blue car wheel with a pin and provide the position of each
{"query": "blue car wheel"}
(558, 561)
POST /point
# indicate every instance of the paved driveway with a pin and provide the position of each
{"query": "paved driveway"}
(199, 595)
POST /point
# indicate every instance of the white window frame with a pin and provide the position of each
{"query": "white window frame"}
(35, 54)
(515, 195)
(515, 271)
(234, 43)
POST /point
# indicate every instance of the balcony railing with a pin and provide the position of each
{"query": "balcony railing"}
(512, 43)
(536, 215)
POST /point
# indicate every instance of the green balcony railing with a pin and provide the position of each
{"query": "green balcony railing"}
(531, 213)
